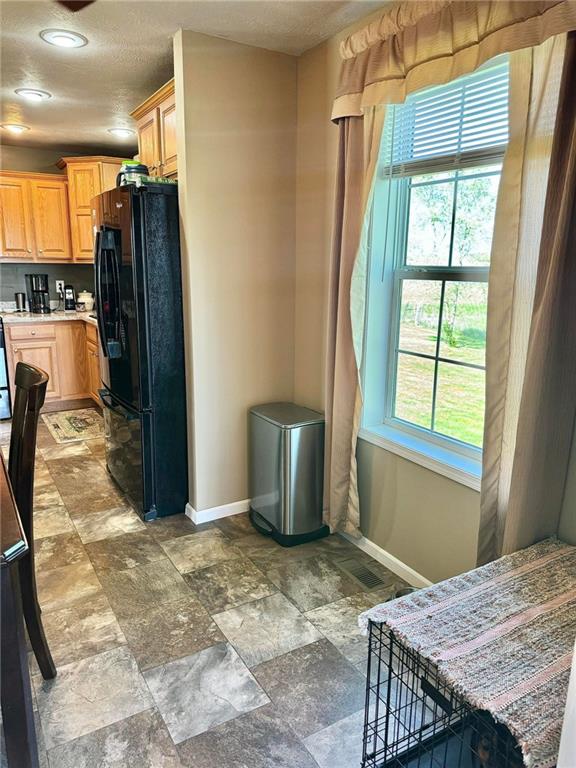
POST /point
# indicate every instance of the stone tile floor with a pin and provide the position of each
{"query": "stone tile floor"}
(180, 645)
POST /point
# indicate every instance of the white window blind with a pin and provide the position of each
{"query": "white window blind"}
(449, 125)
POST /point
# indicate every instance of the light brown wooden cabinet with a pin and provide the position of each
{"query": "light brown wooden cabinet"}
(66, 350)
(34, 221)
(92, 362)
(156, 126)
(87, 177)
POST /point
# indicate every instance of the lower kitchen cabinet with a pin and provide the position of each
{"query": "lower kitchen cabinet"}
(43, 354)
(67, 351)
(92, 362)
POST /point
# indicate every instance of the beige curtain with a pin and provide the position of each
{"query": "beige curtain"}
(534, 85)
(359, 142)
(548, 404)
(412, 46)
(415, 44)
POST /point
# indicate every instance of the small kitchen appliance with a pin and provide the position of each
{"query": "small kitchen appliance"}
(20, 299)
(38, 294)
(69, 298)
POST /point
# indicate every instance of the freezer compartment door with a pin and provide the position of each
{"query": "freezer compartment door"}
(127, 453)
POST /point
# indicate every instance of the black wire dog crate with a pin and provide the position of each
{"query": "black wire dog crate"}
(414, 719)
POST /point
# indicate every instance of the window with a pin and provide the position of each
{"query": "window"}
(430, 239)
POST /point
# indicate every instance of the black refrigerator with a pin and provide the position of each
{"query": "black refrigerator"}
(138, 290)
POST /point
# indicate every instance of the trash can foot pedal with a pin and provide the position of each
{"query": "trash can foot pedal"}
(286, 540)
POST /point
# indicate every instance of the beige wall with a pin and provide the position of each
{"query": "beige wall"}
(35, 159)
(237, 152)
(567, 528)
(424, 519)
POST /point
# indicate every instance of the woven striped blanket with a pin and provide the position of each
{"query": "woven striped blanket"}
(503, 637)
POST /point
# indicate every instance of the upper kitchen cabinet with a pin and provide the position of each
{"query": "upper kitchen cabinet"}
(87, 177)
(34, 221)
(156, 124)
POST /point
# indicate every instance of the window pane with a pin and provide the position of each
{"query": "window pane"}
(463, 335)
(460, 403)
(419, 315)
(474, 222)
(414, 386)
(430, 220)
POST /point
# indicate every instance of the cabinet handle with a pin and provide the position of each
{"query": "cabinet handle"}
(29, 250)
(32, 333)
(40, 250)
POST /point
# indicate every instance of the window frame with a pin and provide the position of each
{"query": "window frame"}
(386, 249)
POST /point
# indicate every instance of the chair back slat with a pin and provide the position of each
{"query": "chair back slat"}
(30, 385)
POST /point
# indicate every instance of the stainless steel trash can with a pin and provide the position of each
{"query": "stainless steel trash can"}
(287, 472)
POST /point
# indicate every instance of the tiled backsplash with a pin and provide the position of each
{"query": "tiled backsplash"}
(81, 276)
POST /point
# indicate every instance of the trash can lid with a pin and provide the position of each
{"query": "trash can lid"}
(287, 415)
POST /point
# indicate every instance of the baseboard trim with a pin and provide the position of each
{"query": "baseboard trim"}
(405, 572)
(215, 513)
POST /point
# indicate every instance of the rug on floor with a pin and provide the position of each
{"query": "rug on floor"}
(67, 426)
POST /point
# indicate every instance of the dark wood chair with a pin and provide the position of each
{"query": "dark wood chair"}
(30, 385)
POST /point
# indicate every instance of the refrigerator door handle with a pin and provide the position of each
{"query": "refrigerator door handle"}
(116, 407)
(97, 291)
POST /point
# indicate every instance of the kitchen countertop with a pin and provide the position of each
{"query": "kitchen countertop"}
(57, 316)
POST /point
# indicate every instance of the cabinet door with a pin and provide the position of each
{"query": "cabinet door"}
(83, 185)
(93, 370)
(42, 354)
(148, 142)
(51, 222)
(167, 120)
(16, 232)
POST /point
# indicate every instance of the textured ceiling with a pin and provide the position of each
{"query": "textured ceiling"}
(130, 55)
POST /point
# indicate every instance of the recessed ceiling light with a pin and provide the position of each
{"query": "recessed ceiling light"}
(122, 133)
(63, 38)
(15, 127)
(33, 94)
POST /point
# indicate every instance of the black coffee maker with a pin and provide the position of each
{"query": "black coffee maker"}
(38, 294)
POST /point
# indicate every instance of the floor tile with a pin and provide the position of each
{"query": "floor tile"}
(235, 526)
(171, 527)
(43, 436)
(105, 523)
(312, 582)
(139, 589)
(56, 551)
(259, 739)
(89, 694)
(203, 690)
(339, 745)
(266, 628)
(97, 448)
(339, 622)
(60, 451)
(312, 687)
(226, 585)
(84, 484)
(199, 550)
(275, 554)
(170, 631)
(139, 741)
(67, 585)
(125, 551)
(52, 521)
(82, 630)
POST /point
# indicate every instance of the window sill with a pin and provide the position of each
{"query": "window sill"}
(462, 469)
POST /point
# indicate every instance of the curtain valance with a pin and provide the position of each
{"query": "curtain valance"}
(414, 44)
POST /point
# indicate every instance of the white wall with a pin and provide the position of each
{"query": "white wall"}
(237, 157)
